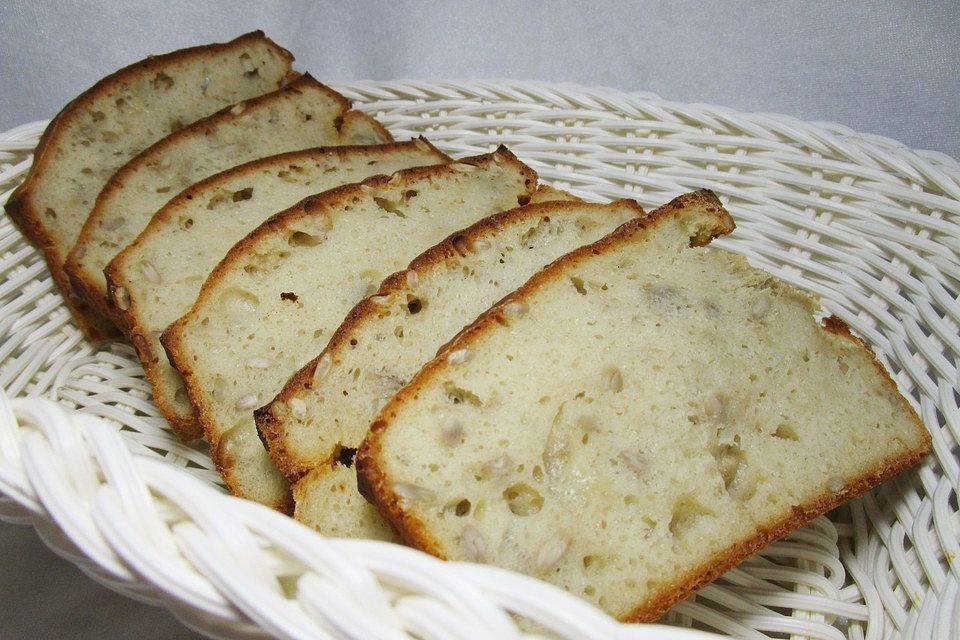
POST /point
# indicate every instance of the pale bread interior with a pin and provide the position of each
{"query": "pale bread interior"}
(635, 418)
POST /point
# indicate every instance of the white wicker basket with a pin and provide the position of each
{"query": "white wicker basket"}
(872, 227)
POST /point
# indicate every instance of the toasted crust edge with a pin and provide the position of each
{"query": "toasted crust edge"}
(20, 206)
(373, 485)
(117, 275)
(271, 427)
(172, 337)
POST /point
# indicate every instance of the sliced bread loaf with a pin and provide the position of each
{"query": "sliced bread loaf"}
(157, 278)
(303, 114)
(389, 336)
(277, 297)
(636, 419)
(121, 115)
(316, 422)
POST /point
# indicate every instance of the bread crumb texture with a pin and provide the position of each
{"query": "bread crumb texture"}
(653, 408)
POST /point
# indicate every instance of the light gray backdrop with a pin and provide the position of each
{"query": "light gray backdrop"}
(889, 68)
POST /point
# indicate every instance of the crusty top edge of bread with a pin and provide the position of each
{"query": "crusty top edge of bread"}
(115, 270)
(79, 274)
(170, 339)
(376, 488)
(270, 428)
(19, 206)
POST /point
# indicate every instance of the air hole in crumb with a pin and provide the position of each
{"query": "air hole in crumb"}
(685, 513)
(459, 395)
(288, 295)
(161, 81)
(786, 432)
(414, 304)
(523, 200)
(462, 508)
(303, 239)
(390, 206)
(522, 499)
(462, 246)
(345, 456)
(578, 285)
(243, 194)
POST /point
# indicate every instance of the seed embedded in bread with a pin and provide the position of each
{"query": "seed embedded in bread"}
(684, 433)
(190, 234)
(126, 112)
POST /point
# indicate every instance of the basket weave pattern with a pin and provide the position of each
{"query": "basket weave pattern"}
(870, 226)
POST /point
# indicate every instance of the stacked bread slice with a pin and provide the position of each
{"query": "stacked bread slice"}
(96, 133)
(157, 278)
(685, 407)
(317, 420)
(302, 114)
(531, 358)
(281, 292)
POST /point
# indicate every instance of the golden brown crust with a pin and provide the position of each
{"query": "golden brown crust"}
(83, 282)
(376, 488)
(20, 206)
(271, 427)
(116, 277)
(171, 338)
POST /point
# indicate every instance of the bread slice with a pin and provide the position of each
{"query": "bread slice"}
(389, 336)
(636, 419)
(316, 423)
(157, 278)
(303, 114)
(106, 125)
(326, 498)
(277, 297)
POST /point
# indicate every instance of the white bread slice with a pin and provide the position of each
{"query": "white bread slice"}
(115, 119)
(157, 278)
(281, 292)
(636, 419)
(315, 424)
(303, 114)
(326, 498)
(387, 337)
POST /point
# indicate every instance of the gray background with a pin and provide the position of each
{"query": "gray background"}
(889, 68)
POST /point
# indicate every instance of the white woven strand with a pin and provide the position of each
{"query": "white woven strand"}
(869, 225)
